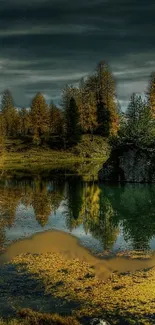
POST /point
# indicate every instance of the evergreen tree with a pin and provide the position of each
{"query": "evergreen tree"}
(39, 115)
(25, 121)
(138, 127)
(106, 101)
(73, 130)
(67, 93)
(85, 100)
(55, 119)
(151, 94)
(75, 92)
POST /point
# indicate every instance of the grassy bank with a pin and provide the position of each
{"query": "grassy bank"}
(71, 285)
(85, 159)
(44, 163)
(38, 158)
(19, 154)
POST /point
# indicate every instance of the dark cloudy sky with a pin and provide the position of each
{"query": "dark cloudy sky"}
(45, 44)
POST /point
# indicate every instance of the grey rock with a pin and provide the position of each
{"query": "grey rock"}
(131, 165)
(99, 321)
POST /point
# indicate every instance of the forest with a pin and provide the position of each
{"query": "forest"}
(90, 108)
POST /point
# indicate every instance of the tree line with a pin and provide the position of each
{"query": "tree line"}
(90, 108)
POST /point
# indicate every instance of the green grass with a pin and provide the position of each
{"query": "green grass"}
(19, 155)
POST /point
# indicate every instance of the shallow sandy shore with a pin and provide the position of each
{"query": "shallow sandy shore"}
(58, 275)
(68, 246)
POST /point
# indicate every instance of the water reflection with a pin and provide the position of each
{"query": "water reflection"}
(116, 217)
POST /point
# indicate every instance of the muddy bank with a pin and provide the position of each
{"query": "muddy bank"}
(68, 246)
(51, 273)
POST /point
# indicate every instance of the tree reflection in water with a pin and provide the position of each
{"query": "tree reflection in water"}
(102, 210)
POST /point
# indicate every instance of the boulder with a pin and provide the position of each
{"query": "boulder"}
(99, 321)
(129, 165)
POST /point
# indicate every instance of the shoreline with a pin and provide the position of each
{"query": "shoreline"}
(50, 283)
(71, 248)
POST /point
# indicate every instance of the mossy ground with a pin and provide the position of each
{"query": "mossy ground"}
(122, 299)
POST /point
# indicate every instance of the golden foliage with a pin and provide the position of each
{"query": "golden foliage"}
(78, 283)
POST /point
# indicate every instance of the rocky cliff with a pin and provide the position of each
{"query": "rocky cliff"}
(129, 165)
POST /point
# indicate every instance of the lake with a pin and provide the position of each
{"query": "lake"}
(108, 219)
(74, 244)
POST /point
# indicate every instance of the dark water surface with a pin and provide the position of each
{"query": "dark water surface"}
(105, 218)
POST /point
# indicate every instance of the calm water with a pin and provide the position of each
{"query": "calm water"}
(105, 218)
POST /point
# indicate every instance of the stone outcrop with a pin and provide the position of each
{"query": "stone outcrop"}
(129, 165)
(99, 321)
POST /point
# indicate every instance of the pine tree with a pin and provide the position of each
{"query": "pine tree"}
(55, 119)
(73, 130)
(75, 92)
(106, 101)
(138, 128)
(151, 94)
(39, 115)
(25, 121)
(67, 93)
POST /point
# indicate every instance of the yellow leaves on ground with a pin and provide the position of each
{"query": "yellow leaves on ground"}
(74, 280)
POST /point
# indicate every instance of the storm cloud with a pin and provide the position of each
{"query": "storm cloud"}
(46, 44)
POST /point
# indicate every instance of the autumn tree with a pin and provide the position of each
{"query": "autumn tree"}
(2, 133)
(87, 105)
(10, 114)
(55, 119)
(39, 116)
(106, 101)
(25, 121)
(151, 94)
